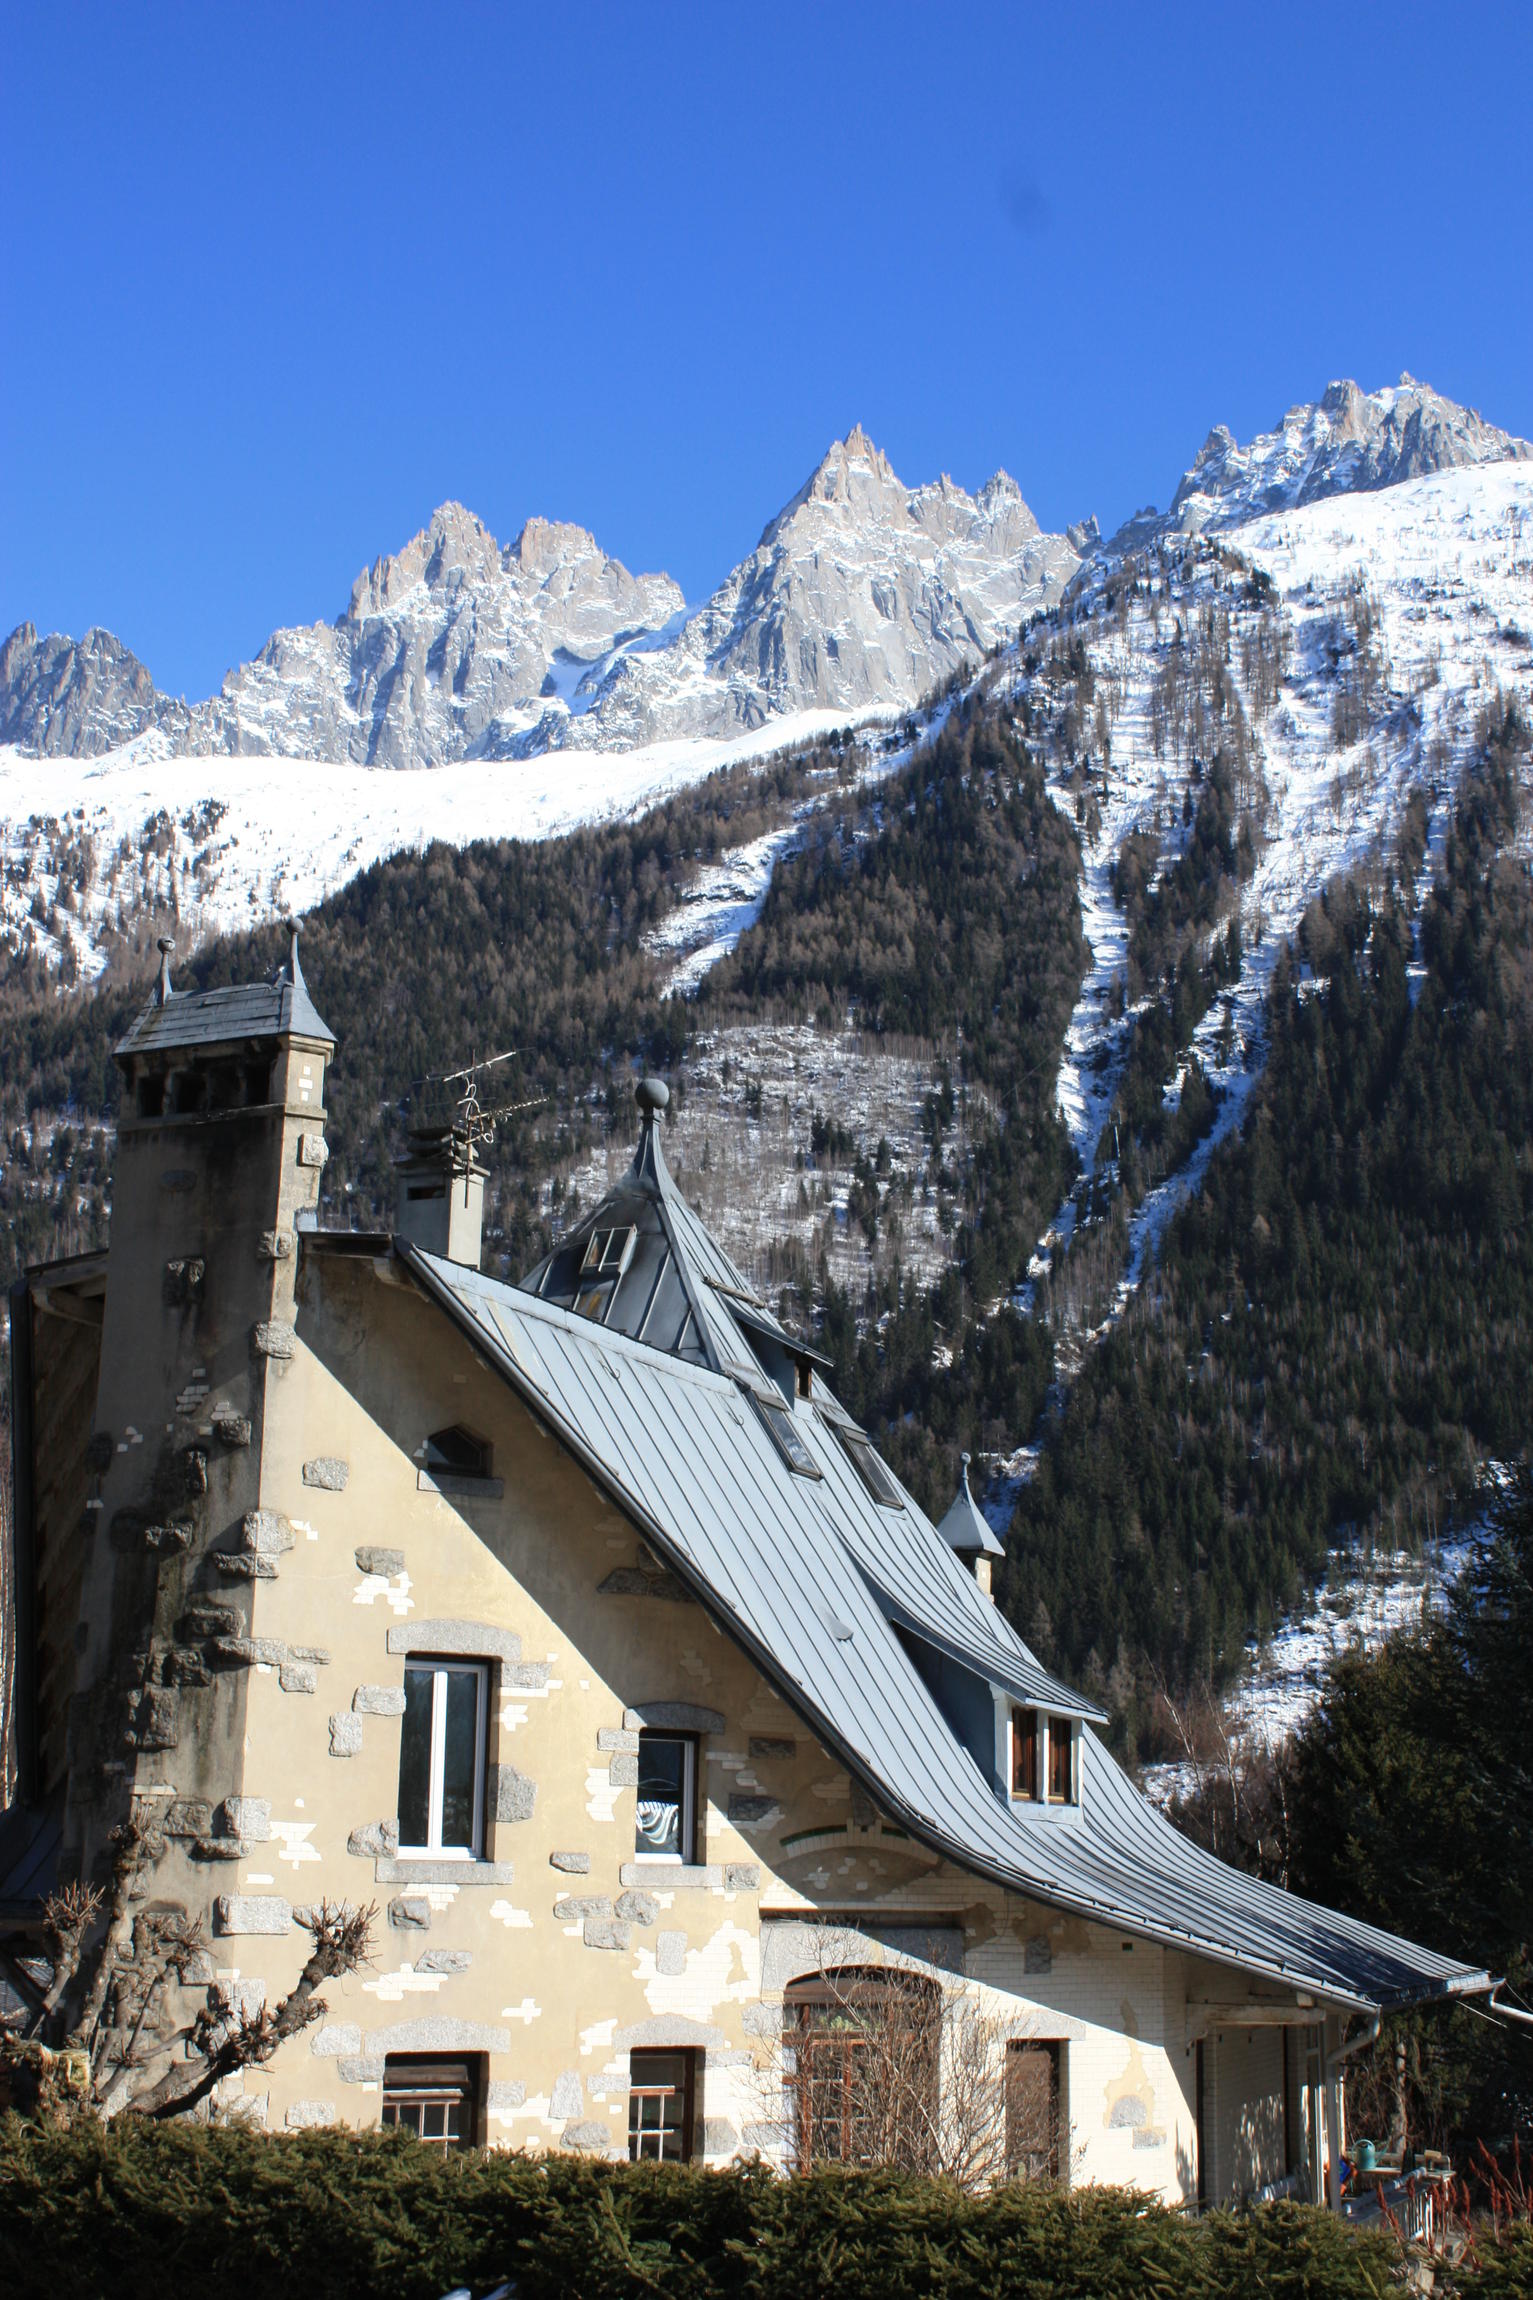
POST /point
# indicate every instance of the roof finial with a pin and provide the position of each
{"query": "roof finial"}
(652, 1095)
(294, 970)
(165, 946)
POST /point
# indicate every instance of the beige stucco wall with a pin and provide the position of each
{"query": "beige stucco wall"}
(556, 1999)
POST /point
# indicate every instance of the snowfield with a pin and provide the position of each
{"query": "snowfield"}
(225, 843)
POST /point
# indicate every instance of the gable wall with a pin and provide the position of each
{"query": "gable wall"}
(795, 1865)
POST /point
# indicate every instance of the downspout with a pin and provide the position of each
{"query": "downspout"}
(1333, 2061)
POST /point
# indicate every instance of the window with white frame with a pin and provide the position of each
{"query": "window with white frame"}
(1043, 1758)
(665, 1819)
(442, 1758)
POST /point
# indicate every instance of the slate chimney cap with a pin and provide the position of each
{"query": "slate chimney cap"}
(652, 1095)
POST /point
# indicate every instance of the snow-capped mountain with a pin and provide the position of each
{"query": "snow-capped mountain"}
(861, 594)
(1347, 442)
(557, 688)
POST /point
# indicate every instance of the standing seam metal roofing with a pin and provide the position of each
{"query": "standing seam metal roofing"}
(680, 1451)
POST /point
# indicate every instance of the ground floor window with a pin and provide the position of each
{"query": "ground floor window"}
(1032, 2110)
(437, 2100)
(864, 2054)
(662, 2105)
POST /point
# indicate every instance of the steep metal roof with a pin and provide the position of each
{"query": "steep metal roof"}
(642, 1264)
(816, 1581)
(188, 1018)
(657, 1370)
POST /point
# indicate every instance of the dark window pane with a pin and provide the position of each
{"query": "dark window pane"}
(662, 1792)
(1024, 1752)
(415, 1759)
(1059, 1760)
(459, 1745)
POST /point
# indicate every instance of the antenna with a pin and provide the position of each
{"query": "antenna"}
(471, 1124)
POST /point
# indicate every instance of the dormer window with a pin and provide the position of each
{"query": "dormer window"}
(607, 1255)
(1043, 1768)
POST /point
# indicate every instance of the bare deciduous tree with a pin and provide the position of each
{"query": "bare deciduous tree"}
(902, 2064)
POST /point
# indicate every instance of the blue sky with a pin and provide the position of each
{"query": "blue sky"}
(278, 280)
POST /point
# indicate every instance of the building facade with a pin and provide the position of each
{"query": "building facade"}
(575, 1628)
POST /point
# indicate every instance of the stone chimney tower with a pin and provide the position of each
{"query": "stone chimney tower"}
(220, 1149)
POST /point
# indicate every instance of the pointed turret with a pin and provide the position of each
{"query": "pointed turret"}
(967, 1532)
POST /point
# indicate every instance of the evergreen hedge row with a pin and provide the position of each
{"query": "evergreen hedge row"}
(146, 2212)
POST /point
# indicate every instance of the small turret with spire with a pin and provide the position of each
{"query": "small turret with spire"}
(968, 1533)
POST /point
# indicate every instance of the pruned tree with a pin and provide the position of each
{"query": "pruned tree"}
(119, 1972)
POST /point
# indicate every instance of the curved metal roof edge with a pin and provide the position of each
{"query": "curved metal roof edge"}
(1463, 1980)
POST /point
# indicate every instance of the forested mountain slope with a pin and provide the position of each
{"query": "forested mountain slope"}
(1339, 1329)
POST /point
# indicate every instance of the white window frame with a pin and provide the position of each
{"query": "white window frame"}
(683, 1859)
(441, 1670)
(1006, 1704)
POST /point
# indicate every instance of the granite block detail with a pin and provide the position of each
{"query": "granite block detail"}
(345, 1734)
(356, 2069)
(573, 1864)
(515, 1795)
(305, 2113)
(384, 1562)
(771, 1749)
(333, 2038)
(188, 1817)
(251, 1913)
(248, 1817)
(612, 1738)
(327, 1472)
(410, 1912)
(297, 1677)
(605, 1933)
(671, 1876)
(273, 1339)
(374, 1841)
(623, 1772)
(571, 1908)
(638, 1908)
(671, 1955)
(379, 1700)
(746, 1812)
(444, 1961)
(674, 1717)
(478, 1638)
(568, 2097)
(742, 1877)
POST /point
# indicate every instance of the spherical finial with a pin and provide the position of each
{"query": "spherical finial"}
(652, 1095)
(966, 1459)
(165, 946)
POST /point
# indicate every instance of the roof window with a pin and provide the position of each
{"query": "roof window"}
(608, 1253)
(786, 1436)
(869, 1465)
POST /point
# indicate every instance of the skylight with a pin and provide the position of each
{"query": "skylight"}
(865, 1459)
(787, 1437)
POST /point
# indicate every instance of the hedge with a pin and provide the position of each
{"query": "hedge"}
(134, 2211)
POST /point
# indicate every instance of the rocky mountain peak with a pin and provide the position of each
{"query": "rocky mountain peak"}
(453, 544)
